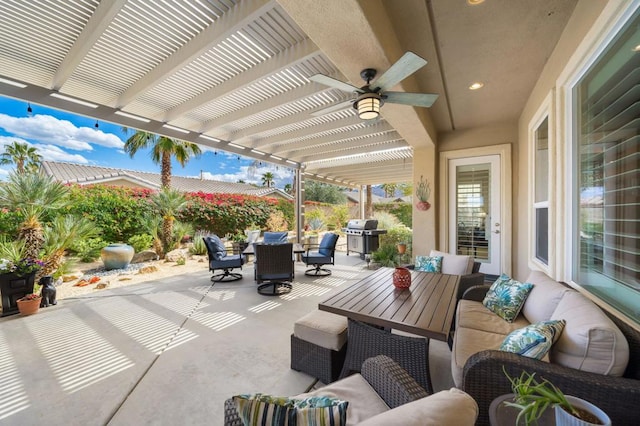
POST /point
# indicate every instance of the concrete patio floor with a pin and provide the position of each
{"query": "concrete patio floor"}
(163, 352)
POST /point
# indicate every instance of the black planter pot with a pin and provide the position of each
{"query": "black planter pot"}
(12, 288)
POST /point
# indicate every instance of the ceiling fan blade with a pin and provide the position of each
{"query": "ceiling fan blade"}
(333, 108)
(403, 68)
(332, 82)
(415, 99)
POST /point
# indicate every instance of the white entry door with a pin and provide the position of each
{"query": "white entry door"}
(474, 210)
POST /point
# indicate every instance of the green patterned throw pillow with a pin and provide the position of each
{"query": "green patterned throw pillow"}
(429, 263)
(535, 340)
(261, 409)
(506, 297)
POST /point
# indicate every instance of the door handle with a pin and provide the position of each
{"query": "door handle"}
(497, 231)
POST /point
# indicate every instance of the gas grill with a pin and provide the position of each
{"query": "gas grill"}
(362, 236)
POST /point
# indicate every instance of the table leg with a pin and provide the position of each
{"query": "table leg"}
(366, 341)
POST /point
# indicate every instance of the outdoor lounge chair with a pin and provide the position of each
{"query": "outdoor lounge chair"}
(220, 260)
(274, 265)
(324, 255)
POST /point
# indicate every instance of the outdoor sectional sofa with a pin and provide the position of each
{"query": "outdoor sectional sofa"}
(597, 356)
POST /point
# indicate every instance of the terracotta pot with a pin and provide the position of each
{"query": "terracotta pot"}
(402, 278)
(28, 307)
(423, 205)
(402, 248)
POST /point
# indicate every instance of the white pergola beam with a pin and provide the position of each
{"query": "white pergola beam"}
(286, 59)
(241, 15)
(296, 134)
(96, 25)
(283, 148)
(352, 148)
(372, 164)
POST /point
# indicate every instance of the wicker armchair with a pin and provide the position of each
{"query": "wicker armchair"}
(274, 265)
(385, 376)
(484, 378)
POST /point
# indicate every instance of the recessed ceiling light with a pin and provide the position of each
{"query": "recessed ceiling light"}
(475, 2)
(477, 85)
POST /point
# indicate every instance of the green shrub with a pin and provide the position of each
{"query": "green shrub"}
(339, 217)
(312, 214)
(386, 255)
(140, 242)
(117, 210)
(288, 209)
(88, 249)
(9, 223)
(181, 261)
(403, 211)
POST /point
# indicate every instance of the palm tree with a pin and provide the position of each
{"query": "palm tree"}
(267, 179)
(162, 149)
(389, 189)
(32, 195)
(167, 203)
(25, 157)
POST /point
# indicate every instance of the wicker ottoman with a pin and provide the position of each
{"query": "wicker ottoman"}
(319, 345)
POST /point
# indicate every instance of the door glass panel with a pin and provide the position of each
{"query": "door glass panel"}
(472, 210)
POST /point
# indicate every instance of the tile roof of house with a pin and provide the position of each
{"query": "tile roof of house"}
(84, 175)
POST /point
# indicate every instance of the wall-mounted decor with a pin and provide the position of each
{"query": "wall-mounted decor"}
(423, 191)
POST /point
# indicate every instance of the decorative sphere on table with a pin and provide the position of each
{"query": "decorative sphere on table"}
(116, 256)
(402, 278)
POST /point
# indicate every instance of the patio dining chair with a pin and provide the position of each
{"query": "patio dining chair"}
(274, 268)
(219, 259)
(323, 256)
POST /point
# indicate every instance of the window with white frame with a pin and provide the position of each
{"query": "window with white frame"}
(606, 173)
(541, 192)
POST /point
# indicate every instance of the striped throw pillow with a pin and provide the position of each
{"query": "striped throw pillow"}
(262, 410)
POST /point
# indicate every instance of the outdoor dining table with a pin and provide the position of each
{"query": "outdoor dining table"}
(374, 307)
(250, 251)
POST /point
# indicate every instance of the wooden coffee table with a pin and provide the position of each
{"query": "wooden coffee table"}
(374, 307)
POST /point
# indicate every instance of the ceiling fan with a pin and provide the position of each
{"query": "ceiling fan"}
(370, 97)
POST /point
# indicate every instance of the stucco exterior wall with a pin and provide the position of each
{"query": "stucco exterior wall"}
(582, 20)
(424, 222)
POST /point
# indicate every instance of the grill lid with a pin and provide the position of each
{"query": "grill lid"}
(362, 224)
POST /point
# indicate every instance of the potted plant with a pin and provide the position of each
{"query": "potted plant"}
(17, 275)
(238, 241)
(423, 191)
(533, 397)
(29, 304)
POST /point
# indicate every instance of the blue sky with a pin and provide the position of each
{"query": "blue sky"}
(61, 136)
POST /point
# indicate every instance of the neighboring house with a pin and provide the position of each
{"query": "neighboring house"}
(90, 175)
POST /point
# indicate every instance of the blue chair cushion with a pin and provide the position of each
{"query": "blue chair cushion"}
(275, 237)
(215, 247)
(230, 261)
(328, 244)
(316, 258)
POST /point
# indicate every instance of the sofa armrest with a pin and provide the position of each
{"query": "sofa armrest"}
(484, 380)
(468, 281)
(476, 293)
(394, 385)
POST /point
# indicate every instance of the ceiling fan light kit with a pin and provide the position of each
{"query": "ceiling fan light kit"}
(368, 106)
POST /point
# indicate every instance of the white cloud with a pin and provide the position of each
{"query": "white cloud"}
(280, 175)
(46, 129)
(48, 152)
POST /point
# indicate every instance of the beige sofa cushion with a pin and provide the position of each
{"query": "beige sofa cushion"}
(468, 342)
(590, 340)
(543, 298)
(454, 264)
(475, 315)
(323, 329)
(364, 401)
(451, 407)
